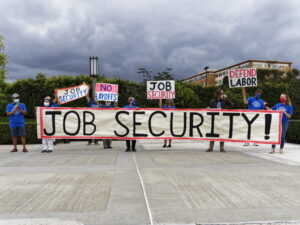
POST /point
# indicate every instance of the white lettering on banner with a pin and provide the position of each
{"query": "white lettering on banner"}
(201, 124)
(69, 94)
(242, 78)
(164, 89)
(106, 92)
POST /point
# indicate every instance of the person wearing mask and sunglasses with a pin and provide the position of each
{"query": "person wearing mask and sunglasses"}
(286, 107)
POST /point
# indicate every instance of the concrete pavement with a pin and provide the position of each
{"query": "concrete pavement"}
(80, 184)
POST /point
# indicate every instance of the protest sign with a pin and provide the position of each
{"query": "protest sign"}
(106, 92)
(199, 124)
(164, 89)
(242, 78)
(69, 94)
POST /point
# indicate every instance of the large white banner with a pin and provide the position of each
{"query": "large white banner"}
(69, 94)
(242, 78)
(161, 89)
(200, 124)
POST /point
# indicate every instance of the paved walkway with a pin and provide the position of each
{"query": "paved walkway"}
(79, 184)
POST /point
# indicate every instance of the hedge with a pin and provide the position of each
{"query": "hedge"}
(293, 134)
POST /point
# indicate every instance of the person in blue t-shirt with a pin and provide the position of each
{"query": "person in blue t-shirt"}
(131, 105)
(169, 105)
(47, 143)
(254, 103)
(16, 112)
(286, 107)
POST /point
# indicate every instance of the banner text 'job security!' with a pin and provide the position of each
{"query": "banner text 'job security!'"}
(200, 124)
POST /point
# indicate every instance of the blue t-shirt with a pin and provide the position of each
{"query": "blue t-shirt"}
(255, 103)
(130, 106)
(168, 107)
(54, 105)
(17, 119)
(219, 104)
(92, 104)
(286, 108)
(105, 106)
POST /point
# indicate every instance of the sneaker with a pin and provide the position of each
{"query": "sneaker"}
(14, 150)
(127, 150)
(49, 151)
(246, 144)
(169, 146)
(133, 149)
(43, 151)
(255, 144)
(164, 145)
(222, 150)
(209, 150)
(272, 152)
(109, 147)
(281, 151)
(25, 150)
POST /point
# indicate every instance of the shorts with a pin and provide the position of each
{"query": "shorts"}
(17, 131)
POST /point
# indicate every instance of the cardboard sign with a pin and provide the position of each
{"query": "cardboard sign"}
(199, 124)
(106, 92)
(242, 78)
(71, 93)
(164, 89)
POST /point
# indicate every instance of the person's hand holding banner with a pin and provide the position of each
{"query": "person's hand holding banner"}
(69, 94)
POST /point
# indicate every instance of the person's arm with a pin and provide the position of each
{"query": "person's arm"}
(10, 113)
(228, 101)
(160, 103)
(287, 114)
(55, 100)
(244, 95)
(22, 109)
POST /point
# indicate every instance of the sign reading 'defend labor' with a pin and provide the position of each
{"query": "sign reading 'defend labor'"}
(69, 94)
(199, 124)
(106, 92)
(164, 89)
(242, 78)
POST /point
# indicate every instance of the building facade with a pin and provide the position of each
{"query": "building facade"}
(215, 77)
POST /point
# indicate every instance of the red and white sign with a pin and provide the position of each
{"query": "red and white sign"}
(242, 78)
(106, 92)
(161, 89)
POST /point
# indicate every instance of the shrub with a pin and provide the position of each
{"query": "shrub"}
(293, 133)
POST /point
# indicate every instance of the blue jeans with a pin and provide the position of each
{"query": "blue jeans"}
(283, 134)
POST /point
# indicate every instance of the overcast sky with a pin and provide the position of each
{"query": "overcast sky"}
(57, 37)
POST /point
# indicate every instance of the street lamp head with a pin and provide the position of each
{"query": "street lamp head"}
(94, 66)
(206, 68)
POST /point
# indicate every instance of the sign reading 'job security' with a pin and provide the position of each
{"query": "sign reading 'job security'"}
(69, 94)
(106, 92)
(164, 89)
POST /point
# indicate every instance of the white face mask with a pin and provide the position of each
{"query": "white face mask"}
(46, 103)
(16, 100)
(107, 103)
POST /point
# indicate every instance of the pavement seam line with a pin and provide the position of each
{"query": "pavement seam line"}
(144, 190)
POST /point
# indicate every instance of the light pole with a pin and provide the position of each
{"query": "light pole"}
(94, 71)
(206, 71)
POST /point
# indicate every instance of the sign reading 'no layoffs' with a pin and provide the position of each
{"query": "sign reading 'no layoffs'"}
(164, 89)
(242, 78)
(199, 124)
(69, 94)
(106, 92)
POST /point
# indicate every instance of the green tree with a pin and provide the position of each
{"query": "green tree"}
(3, 84)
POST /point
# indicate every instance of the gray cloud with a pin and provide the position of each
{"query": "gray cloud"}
(57, 37)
